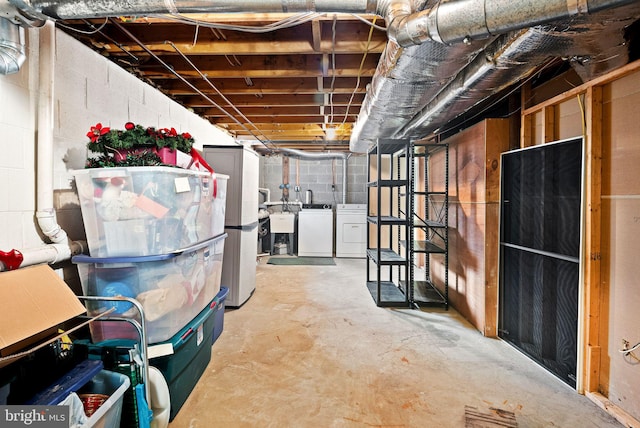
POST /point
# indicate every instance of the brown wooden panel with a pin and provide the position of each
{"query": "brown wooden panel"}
(466, 261)
(497, 142)
(474, 183)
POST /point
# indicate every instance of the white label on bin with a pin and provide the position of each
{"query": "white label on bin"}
(199, 335)
(182, 184)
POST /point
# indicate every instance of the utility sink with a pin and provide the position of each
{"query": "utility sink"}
(282, 222)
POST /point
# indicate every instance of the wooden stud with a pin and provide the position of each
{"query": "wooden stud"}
(549, 124)
(526, 137)
(602, 80)
(593, 233)
(621, 416)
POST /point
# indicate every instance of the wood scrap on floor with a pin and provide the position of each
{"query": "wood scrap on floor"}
(497, 418)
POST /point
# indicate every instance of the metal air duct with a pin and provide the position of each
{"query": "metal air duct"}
(481, 71)
(299, 154)
(73, 9)
(12, 47)
(464, 20)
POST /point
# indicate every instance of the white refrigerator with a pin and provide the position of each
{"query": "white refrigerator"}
(241, 218)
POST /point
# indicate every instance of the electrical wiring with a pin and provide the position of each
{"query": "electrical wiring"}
(206, 79)
(583, 114)
(94, 31)
(630, 350)
(290, 21)
(185, 81)
(364, 57)
(333, 66)
(99, 30)
(372, 23)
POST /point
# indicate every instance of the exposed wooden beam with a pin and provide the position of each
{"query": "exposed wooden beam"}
(295, 66)
(311, 85)
(196, 101)
(284, 119)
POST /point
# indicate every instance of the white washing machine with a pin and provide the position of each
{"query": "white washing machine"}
(351, 230)
(315, 231)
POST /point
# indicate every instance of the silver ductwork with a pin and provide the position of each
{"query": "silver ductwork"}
(422, 81)
(73, 9)
(465, 20)
(12, 47)
(413, 99)
(512, 58)
(299, 154)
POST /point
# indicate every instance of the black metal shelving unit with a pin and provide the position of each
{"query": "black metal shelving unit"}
(435, 228)
(391, 223)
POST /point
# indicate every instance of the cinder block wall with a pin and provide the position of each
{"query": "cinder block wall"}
(318, 176)
(88, 89)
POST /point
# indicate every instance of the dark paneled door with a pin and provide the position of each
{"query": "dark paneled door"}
(540, 253)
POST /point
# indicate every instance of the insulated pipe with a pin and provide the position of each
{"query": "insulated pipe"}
(465, 20)
(299, 154)
(12, 47)
(74, 9)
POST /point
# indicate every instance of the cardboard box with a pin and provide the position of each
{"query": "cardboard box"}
(33, 302)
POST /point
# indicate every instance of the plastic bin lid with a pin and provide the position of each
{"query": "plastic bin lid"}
(72, 381)
(83, 258)
(183, 335)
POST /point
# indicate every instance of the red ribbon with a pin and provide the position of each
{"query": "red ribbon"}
(198, 158)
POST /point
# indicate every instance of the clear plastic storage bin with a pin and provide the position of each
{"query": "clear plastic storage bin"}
(172, 288)
(145, 210)
(219, 205)
(109, 413)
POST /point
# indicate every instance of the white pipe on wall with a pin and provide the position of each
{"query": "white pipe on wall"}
(46, 213)
(60, 248)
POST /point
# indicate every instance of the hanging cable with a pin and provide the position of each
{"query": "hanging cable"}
(184, 80)
(99, 30)
(206, 79)
(366, 21)
(364, 57)
(333, 66)
(290, 21)
(94, 29)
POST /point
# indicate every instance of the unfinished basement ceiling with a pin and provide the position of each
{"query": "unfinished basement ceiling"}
(300, 86)
(300, 80)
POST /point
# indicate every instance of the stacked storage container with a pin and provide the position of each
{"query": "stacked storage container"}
(154, 235)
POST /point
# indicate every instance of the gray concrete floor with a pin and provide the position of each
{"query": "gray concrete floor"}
(311, 349)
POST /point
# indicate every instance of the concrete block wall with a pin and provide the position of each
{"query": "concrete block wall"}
(318, 176)
(88, 89)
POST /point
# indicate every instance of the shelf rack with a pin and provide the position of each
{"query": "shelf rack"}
(434, 225)
(390, 223)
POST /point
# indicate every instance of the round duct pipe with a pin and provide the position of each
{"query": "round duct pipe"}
(12, 47)
(299, 154)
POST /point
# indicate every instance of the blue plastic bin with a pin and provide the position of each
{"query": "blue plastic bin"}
(218, 322)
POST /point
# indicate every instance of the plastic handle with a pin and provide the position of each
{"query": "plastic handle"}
(186, 334)
(196, 155)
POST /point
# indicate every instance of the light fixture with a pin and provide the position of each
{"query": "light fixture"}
(330, 133)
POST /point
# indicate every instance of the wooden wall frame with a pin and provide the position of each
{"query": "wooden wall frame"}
(590, 95)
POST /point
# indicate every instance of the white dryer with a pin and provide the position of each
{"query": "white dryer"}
(351, 230)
